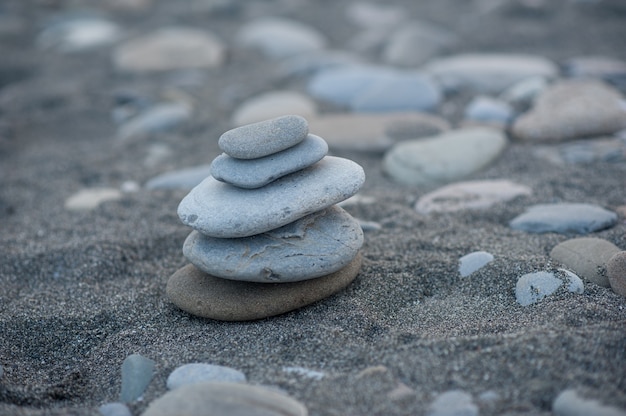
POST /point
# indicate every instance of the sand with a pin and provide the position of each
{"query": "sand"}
(80, 291)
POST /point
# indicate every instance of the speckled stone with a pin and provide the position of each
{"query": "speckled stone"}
(255, 173)
(316, 245)
(588, 257)
(232, 399)
(208, 296)
(616, 272)
(220, 210)
(264, 138)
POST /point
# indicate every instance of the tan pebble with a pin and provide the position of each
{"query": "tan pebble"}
(616, 272)
(208, 296)
(587, 257)
(370, 371)
(401, 392)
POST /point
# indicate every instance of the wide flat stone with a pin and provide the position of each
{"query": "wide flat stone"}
(255, 173)
(232, 399)
(450, 156)
(264, 138)
(470, 195)
(570, 110)
(564, 218)
(201, 372)
(221, 210)
(207, 296)
(316, 245)
(587, 257)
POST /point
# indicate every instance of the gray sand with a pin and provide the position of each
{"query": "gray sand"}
(81, 291)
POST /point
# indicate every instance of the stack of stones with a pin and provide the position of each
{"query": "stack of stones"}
(268, 237)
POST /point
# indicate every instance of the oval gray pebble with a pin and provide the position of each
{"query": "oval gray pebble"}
(316, 245)
(225, 399)
(264, 138)
(255, 173)
(200, 372)
(564, 218)
(220, 210)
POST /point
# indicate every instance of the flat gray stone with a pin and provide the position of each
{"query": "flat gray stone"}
(316, 245)
(572, 109)
(220, 210)
(180, 179)
(232, 399)
(450, 156)
(160, 118)
(200, 372)
(488, 110)
(114, 409)
(137, 372)
(212, 297)
(564, 218)
(264, 138)
(79, 34)
(453, 403)
(255, 173)
(569, 403)
(587, 257)
(414, 43)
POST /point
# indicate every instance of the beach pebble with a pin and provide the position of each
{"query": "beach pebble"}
(201, 372)
(308, 64)
(474, 261)
(488, 73)
(453, 403)
(232, 399)
(375, 132)
(271, 105)
(404, 92)
(78, 34)
(599, 67)
(480, 194)
(564, 218)
(569, 403)
(220, 210)
(170, 48)
(114, 409)
(616, 272)
(524, 92)
(88, 199)
(280, 37)
(208, 296)
(180, 179)
(533, 287)
(588, 257)
(159, 118)
(304, 372)
(489, 110)
(255, 173)
(313, 246)
(414, 43)
(265, 137)
(369, 14)
(137, 372)
(574, 283)
(450, 156)
(570, 110)
(608, 150)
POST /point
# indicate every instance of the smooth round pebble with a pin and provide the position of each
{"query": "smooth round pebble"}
(572, 109)
(271, 105)
(265, 137)
(569, 403)
(415, 42)
(316, 245)
(220, 210)
(480, 194)
(564, 218)
(137, 373)
(588, 257)
(160, 118)
(279, 37)
(472, 262)
(453, 403)
(89, 199)
(488, 110)
(200, 372)
(114, 409)
(212, 297)
(616, 272)
(450, 156)
(78, 34)
(255, 173)
(225, 399)
(170, 48)
(533, 287)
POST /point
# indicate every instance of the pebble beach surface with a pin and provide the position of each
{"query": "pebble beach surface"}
(490, 226)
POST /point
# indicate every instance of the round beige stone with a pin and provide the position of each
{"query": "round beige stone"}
(587, 257)
(225, 399)
(616, 272)
(207, 296)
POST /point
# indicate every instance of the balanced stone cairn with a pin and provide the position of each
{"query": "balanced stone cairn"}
(268, 237)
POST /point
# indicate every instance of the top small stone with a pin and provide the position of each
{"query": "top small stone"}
(264, 138)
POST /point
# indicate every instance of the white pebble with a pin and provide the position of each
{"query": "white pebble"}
(88, 199)
(453, 403)
(568, 403)
(473, 261)
(533, 287)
